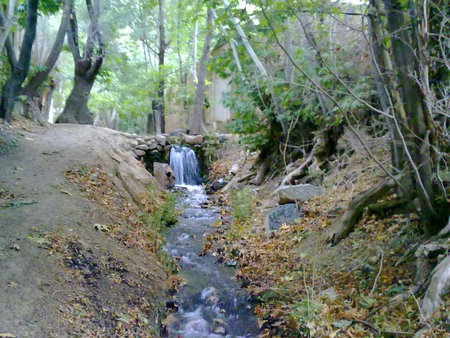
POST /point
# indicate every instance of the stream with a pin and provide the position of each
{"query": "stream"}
(210, 303)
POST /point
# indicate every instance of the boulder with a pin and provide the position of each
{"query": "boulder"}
(143, 147)
(164, 175)
(140, 141)
(193, 139)
(139, 152)
(286, 213)
(161, 140)
(297, 193)
(152, 145)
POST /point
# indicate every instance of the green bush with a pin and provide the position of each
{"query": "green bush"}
(165, 214)
(242, 204)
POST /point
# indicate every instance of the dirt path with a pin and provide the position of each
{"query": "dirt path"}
(39, 295)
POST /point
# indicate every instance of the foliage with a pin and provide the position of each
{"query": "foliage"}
(242, 204)
(165, 214)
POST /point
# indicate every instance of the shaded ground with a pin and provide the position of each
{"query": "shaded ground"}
(60, 274)
(304, 287)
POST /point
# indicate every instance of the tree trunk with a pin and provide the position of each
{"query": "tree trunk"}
(384, 95)
(11, 89)
(87, 67)
(76, 109)
(197, 125)
(151, 121)
(32, 87)
(420, 140)
(6, 23)
(160, 119)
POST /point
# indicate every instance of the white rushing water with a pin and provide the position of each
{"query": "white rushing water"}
(185, 166)
(210, 303)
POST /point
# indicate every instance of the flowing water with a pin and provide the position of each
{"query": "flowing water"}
(185, 165)
(210, 304)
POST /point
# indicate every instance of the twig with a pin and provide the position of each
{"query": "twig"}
(379, 272)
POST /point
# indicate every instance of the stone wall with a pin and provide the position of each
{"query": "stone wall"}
(156, 148)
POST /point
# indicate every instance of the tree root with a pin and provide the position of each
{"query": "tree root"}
(298, 171)
(396, 206)
(356, 208)
(439, 286)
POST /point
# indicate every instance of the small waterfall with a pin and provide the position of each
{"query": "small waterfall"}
(185, 165)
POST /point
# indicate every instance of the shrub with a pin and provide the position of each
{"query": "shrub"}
(242, 204)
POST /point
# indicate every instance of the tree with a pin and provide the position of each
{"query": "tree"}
(87, 66)
(413, 110)
(160, 104)
(33, 89)
(197, 125)
(12, 87)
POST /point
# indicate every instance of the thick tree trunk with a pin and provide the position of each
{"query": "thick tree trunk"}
(12, 87)
(420, 140)
(197, 125)
(87, 67)
(76, 109)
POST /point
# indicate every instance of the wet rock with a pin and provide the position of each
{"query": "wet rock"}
(209, 295)
(193, 139)
(163, 175)
(286, 213)
(220, 330)
(297, 193)
(218, 184)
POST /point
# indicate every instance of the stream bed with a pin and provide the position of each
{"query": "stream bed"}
(210, 303)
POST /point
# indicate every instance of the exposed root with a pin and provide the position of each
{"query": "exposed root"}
(396, 206)
(298, 171)
(356, 208)
(439, 286)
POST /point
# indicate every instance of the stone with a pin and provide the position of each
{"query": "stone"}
(152, 145)
(234, 169)
(161, 140)
(134, 143)
(193, 139)
(139, 152)
(286, 213)
(140, 141)
(218, 184)
(164, 175)
(143, 147)
(297, 193)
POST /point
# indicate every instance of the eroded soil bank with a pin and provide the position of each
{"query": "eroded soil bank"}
(76, 255)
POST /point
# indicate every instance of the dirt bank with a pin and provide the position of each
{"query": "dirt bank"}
(75, 255)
